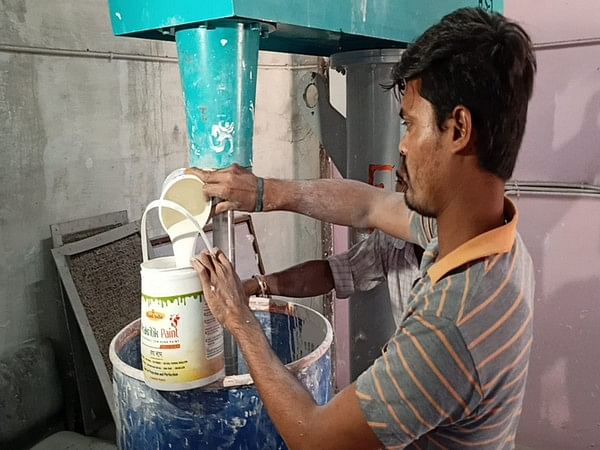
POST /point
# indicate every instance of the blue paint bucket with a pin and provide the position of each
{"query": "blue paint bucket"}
(228, 414)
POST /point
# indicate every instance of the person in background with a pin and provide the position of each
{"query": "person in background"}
(454, 373)
(364, 266)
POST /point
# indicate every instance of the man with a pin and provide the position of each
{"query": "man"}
(453, 375)
(364, 266)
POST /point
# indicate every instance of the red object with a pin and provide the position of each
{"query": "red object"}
(374, 168)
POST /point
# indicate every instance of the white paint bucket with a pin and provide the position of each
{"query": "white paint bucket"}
(181, 341)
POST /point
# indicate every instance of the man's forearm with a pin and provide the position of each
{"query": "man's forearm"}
(290, 406)
(308, 279)
(338, 425)
(304, 280)
(343, 202)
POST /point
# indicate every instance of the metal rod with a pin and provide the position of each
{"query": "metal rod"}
(85, 54)
(224, 239)
(552, 185)
(553, 193)
(567, 43)
(110, 56)
(231, 237)
(556, 189)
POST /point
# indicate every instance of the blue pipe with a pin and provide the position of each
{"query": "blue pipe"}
(218, 67)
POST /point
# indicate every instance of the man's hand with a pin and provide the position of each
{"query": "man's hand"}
(235, 185)
(223, 289)
(251, 287)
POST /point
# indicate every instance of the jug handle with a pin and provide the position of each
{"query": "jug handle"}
(176, 207)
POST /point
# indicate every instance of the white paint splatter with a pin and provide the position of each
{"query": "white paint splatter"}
(89, 163)
(118, 14)
(221, 136)
(224, 42)
(237, 422)
(31, 253)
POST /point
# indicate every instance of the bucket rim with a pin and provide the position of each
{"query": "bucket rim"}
(231, 381)
(148, 265)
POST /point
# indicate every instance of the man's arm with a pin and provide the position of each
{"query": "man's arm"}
(343, 202)
(361, 268)
(301, 422)
(308, 279)
(340, 424)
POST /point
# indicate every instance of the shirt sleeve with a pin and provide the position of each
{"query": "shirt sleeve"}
(423, 229)
(361, 268)
(425, 378)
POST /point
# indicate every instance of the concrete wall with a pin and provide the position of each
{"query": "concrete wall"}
(285, 146)
(562, 403)
(82, 136)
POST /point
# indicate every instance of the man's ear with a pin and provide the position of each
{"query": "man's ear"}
(460, 127)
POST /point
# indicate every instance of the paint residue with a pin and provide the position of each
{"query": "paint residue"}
(217, 418)
(221, 137)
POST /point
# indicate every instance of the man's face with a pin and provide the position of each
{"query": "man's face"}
(421, 146)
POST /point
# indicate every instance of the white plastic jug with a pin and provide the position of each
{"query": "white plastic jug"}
(186, 190)
(181, 341)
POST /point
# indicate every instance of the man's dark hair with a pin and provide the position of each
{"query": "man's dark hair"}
(484, 62)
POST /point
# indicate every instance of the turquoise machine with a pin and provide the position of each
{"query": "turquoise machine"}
(218, 43)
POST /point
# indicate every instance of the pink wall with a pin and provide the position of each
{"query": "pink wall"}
(562, 143)
(562, 402)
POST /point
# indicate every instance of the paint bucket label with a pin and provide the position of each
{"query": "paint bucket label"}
(181, 341)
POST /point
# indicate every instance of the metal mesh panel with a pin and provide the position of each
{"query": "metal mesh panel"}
(78, 236)
(107, 279)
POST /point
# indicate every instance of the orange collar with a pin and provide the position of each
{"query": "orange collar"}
(496, 241)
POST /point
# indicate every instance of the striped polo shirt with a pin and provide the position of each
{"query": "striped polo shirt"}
(453, 375)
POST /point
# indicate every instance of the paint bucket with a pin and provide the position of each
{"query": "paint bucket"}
(187, 191)
(181, 341)
(228, 414)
